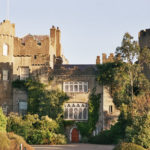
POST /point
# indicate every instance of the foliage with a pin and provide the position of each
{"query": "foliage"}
(130, 90)
(139, 131)
(10, 141)
(35, 130)
(40, 100)
(5, 142)
(128, 146)
(86, 128)
(103, 137)
(16, 141)
(129, 49)
(3, 121)
(58, 139)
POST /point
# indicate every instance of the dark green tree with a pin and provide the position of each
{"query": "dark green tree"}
(128, 84)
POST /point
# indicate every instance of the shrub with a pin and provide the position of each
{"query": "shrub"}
(84, 139)
(16, 141)
(4, 141)
(103, 138)
(58, 139)
(36, 137)
(3, 121)
(10, 141)
(128, 146)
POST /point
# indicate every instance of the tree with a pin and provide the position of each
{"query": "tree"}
(44, 102)
(3, 121)
(130, 90)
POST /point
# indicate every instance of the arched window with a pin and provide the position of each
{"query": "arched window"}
(66, 113)
(71, 113)
(80, 113)
(84, 113)
(75, 113)
(5, 50)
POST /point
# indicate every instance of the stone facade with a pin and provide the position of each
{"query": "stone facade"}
(144, 41)
(41, 56)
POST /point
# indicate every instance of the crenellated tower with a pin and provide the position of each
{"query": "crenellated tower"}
(7, 34)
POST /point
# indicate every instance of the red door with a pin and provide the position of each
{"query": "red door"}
(75, 135)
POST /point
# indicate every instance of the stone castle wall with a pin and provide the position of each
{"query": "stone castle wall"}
(144, 38)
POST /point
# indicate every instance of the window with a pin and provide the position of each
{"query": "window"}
(22, 107)
(110, 109)
(35, 56)
(75, 87)
(76, 111)
(5, 49)
(5, 75)
(24, 73)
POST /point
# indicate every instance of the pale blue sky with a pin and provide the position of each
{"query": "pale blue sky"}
(88, 27)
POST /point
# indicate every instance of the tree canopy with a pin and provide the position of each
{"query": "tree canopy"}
(130, 89)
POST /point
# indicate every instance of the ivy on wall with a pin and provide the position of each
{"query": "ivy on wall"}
(86, 128)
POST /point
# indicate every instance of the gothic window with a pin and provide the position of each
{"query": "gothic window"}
(5, 49)
(5, 75)
(66, 113)
(71, 113)
(84, 113)
(75, 111)
(80, 113)
(75, 86)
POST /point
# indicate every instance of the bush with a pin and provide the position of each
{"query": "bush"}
(128, 146)
(10, 141)
(36, 137)
(35, 130)
(58, 139)
(4, 141)
(3, 121)
(84, 139)
(102, 138)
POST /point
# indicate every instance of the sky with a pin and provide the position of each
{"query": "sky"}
(88, 27)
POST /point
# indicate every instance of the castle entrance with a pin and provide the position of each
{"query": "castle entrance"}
(75, 136)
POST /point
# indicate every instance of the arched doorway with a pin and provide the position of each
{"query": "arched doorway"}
(75, 135)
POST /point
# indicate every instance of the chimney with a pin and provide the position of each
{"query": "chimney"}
(98, 60)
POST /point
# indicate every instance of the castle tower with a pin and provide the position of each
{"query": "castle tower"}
(7, 33)
(144, 38)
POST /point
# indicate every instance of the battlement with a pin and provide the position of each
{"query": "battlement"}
(6, 28)
(105, 59)
(144, 38)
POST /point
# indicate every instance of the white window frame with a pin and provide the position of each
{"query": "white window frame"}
(5, 49)
(71, 87)
(75, 106)
(5, 75)
(22, 107)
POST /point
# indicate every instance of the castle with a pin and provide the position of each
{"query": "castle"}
(40, 56)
